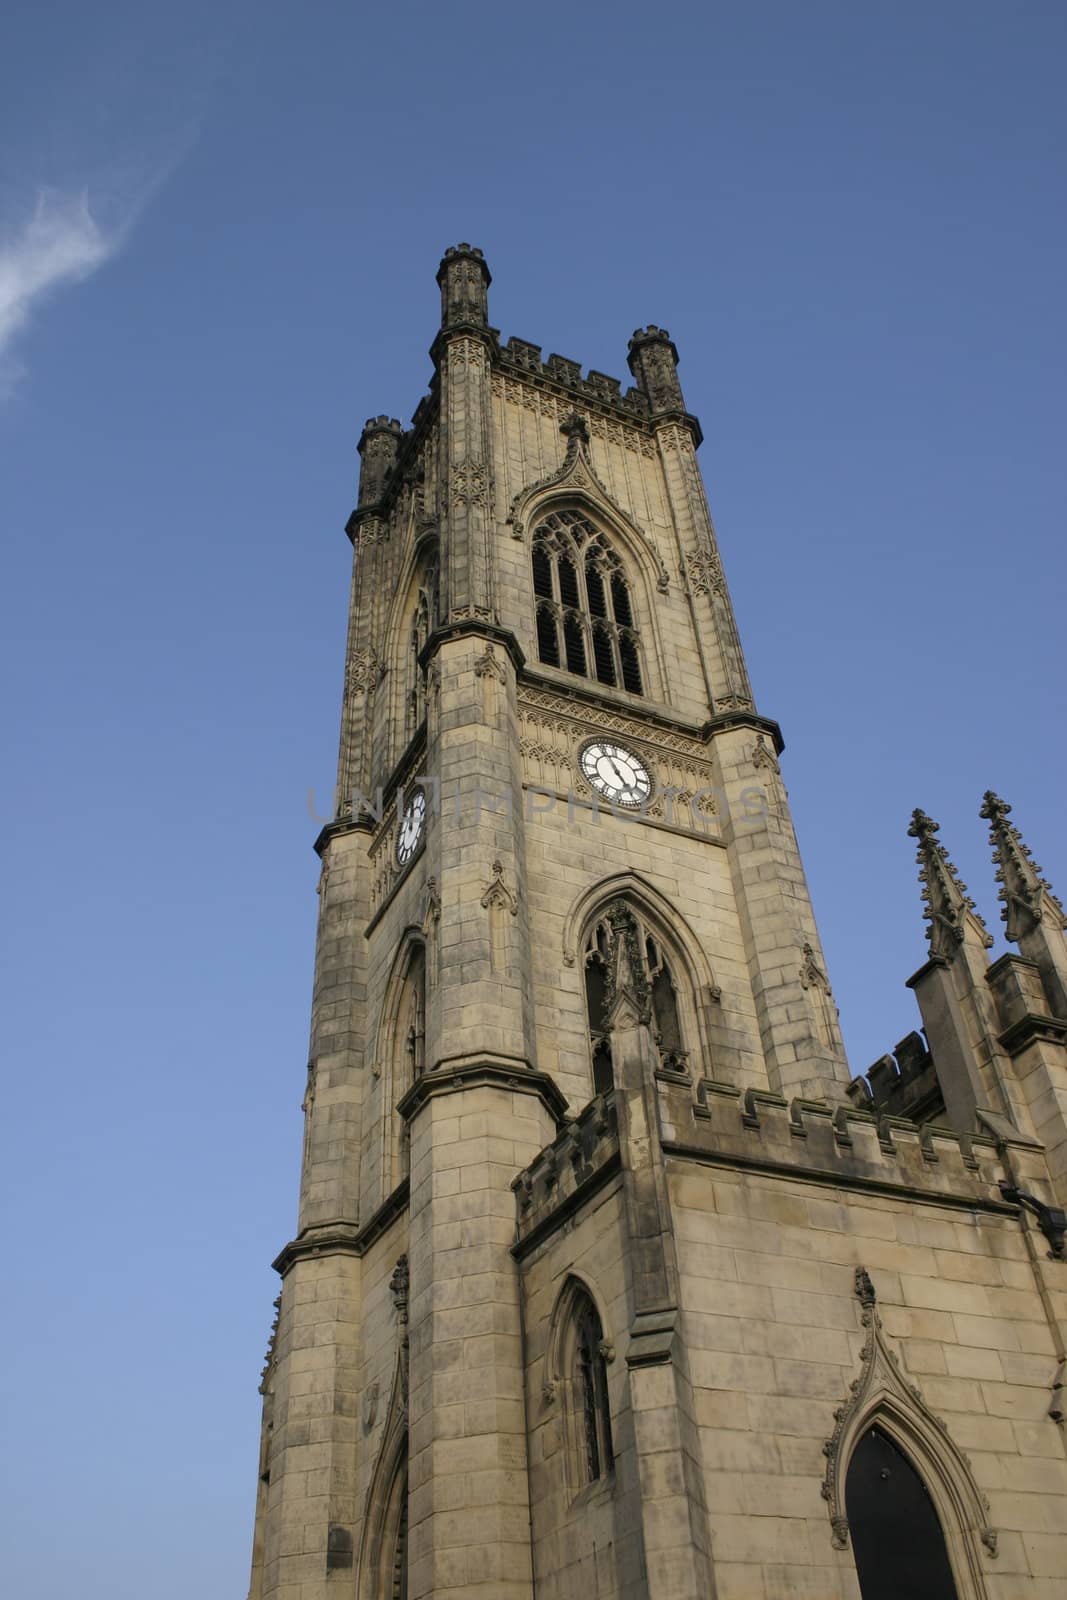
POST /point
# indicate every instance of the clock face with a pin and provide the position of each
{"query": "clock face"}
(616, 773)
(411, 822)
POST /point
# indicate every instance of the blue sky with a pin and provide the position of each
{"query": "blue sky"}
(219, 227)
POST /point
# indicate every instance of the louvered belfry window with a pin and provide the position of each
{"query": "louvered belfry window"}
(585, 621)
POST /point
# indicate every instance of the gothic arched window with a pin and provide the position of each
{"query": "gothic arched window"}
(896, 1534)
(401, 1054)
(585, 619)
(651, 974)
(581, 1377)
(422, 622)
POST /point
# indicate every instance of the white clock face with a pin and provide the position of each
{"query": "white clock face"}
(616, 773)
(411, 822)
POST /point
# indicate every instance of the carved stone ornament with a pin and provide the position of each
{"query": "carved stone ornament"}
(364, 671)
(811, 974)
(433, 903)
(373, 531)
(761, 755)
(399, 1285)
(703, 571)
(576, 476)
(465, 613)
(467, 353)
(576, 473)
(469, 482)
(497, 892)
(881, 1396)
(575, 427)
(488, 665)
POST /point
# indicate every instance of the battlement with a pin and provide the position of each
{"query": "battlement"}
(583, 1154)
(455, 250)
(757, 1129)
(904, 1084)
(651, 335)
(596, 387)
(836, 1143)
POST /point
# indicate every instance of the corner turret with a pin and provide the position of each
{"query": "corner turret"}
(653, 360)
(464, 280)
(379, 445)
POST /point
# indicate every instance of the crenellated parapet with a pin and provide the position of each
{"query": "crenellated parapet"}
(839, 1144)
(583, 1155)
(903, 1084)
(849, 1146)
(518, 358)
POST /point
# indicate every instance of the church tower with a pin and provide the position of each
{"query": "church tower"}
(607, 1281)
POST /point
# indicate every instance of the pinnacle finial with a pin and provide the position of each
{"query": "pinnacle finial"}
(626, 972)
(575, 428)
(1024, 893)
(946, 901)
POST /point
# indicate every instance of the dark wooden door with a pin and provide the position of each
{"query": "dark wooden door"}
(896, 1536)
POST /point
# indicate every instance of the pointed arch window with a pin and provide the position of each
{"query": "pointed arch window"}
(897, 1536)
(585, 616)
(423, 621)
(591, 1383)
(401, 1054)
(652, 972)
(579, 1354)
(409, 1048)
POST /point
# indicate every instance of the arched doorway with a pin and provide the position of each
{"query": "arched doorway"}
(897, 1537)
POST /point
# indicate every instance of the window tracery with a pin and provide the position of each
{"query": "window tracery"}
(650, 970)
(584, 613)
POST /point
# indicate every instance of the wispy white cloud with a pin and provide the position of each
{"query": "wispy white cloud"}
(60, 243)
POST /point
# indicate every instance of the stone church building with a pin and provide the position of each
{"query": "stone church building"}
(609, 1283)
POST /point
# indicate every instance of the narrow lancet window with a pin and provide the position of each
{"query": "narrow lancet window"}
(583, 1354)
(423, 621)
